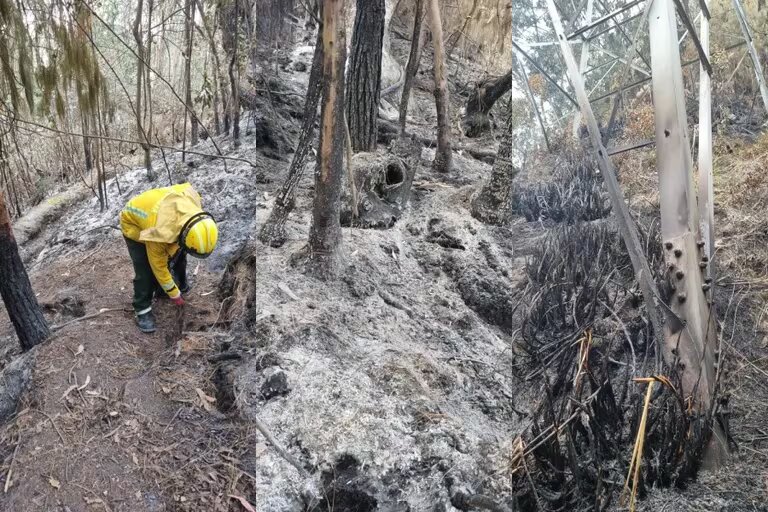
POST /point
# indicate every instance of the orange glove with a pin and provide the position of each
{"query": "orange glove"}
(178, 301)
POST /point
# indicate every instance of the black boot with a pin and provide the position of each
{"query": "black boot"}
(146, 322)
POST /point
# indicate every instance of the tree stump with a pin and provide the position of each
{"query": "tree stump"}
(383, 185)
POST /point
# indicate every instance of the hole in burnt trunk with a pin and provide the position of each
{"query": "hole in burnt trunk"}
(394, 175)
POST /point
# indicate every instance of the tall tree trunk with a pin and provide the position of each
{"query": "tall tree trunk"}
(444, 156)
(16, 290)
(491, 204)
(414, 57)
(218, 93)
(187, 81)
(234, 79)
(583, 63)
(325, 232)
(481, 101)
(189, 13)
(364, 74)
(273, 231)
(149, 108)
(88, 157)
(137, 35)
(225, 16)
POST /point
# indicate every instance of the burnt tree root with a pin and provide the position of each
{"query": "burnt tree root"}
(14, 381)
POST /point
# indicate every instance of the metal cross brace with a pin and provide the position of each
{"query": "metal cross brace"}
(603, 19)
(544, 73)
(617, 26)
(694, 37)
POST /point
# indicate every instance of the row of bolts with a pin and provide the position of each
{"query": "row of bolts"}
(681, 297)
(679, 274)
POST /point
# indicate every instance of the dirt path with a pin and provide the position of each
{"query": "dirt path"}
(118, 420)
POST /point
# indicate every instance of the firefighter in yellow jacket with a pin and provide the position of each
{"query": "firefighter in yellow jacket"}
(161, 226)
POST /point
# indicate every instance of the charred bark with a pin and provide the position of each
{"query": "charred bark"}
(492, 204)
(143, 137)
(476, 119)
(364, 74)
(189, 18)
(234, 80)
(417, 44)
(14, 381)
(273, 231)
(16, 290)
(443, 156)
(219, 90)
(229, 21)
(325, 232)
(383, 185)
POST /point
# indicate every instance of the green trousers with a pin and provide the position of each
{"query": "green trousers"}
(145, 286)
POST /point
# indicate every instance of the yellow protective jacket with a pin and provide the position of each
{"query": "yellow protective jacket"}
(156, 218)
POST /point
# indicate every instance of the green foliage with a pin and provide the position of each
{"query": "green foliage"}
(44, 52)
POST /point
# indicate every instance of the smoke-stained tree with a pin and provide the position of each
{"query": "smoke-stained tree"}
(140, 82)
(414, 57)
(443, 156)
(325, 233)
(16, 290)
(273, 230)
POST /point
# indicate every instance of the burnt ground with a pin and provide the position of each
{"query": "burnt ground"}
(395, 388)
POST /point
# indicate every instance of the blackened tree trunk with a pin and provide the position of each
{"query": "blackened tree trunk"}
(140, 61)
(325, 233)
(443, 157)
(219, 91)
(480, 102)
(417, 43)
(229, 22)
(234, 80)
(189, 18)
(492, 203)
(16, 290)
(364, 74)
(273, 231)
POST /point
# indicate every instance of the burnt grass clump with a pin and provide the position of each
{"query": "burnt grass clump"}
(585, 336)
(581, 275)
(574, 194)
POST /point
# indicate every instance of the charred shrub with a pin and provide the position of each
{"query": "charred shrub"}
(584, 338)
(577, 275)
(575, 194)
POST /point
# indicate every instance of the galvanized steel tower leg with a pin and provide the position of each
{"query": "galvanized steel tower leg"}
(583, 62)
(690, 333)
(706, 188)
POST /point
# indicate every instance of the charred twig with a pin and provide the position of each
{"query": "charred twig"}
(224, 356)
(86, 317)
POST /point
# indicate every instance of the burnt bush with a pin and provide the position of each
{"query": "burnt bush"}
(578, 275)
(575, 194)
(580, 442)
(585, 337)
